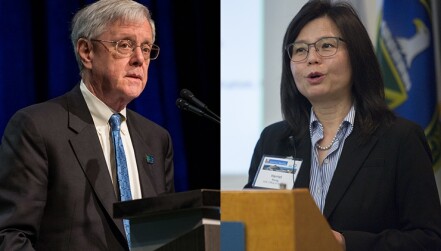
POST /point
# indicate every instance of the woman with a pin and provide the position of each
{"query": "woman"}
(369, 171)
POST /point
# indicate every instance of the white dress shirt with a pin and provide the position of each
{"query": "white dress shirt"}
(101, 114)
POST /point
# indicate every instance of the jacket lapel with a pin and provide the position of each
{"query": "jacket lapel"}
(89, 152)
(142, 151)
(350, 162)
(304, 153)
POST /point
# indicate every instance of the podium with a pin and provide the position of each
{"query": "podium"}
(179, 221)
(278, 220)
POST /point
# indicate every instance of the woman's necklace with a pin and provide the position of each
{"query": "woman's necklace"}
(324, 148)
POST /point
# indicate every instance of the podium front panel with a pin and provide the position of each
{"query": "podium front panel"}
(278, 220)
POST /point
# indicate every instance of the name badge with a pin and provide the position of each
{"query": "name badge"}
(277, 172)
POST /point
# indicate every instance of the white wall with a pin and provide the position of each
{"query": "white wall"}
(241, 80)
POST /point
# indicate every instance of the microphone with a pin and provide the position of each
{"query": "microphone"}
(292, 142)
(188, 95)
(184, 105)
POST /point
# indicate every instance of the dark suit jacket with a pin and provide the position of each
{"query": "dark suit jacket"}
(383, 194)
(55, 188)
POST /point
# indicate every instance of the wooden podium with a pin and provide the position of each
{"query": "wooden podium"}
(278, 220)
(173, 222)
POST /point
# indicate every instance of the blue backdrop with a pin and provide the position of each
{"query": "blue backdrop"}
(37, 63)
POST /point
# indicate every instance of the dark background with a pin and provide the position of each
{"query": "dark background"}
(37, 63)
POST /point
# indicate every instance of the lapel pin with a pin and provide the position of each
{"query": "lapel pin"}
(149, 159)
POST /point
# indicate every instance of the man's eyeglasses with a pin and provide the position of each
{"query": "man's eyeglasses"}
(325, 47)
(127, 47)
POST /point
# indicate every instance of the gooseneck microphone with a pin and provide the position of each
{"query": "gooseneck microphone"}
(184, 105)
(292, 142)
(188, 95)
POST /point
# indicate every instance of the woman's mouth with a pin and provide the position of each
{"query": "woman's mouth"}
(315, 77)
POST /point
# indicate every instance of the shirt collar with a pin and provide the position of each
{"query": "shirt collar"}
(314, 123)
(100, 112)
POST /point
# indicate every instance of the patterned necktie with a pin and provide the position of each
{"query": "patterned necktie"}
(121, 166)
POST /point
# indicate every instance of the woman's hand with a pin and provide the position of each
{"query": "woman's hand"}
(340, 238)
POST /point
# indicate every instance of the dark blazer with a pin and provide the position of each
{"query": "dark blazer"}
(55, 188)
(383, 194)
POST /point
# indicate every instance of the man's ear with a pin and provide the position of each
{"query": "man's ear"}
(84, 48)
